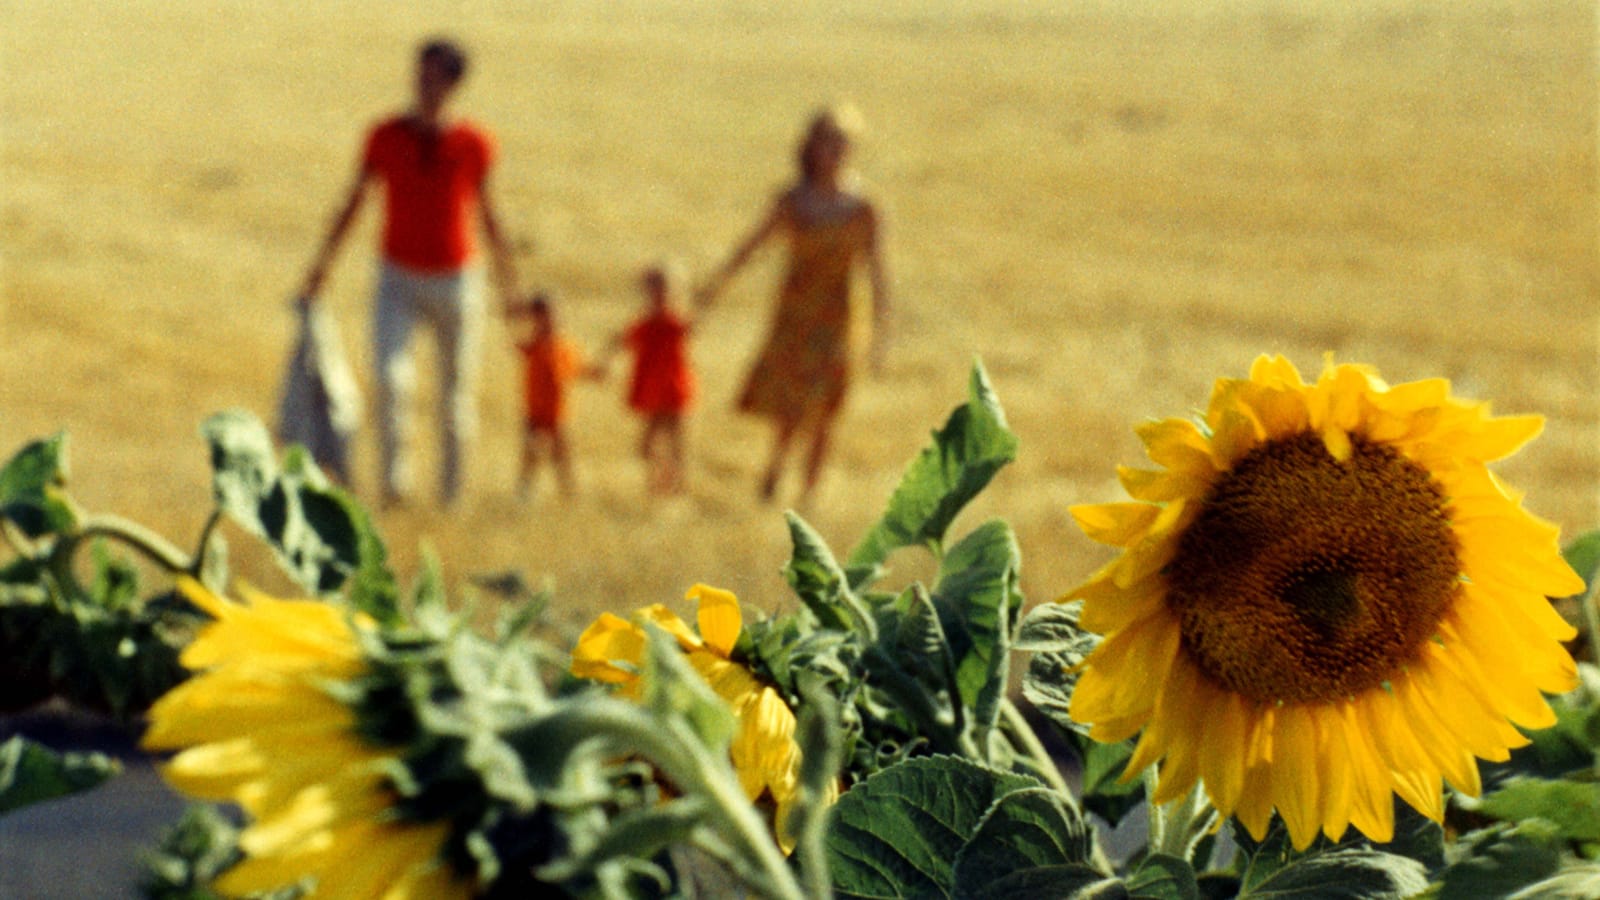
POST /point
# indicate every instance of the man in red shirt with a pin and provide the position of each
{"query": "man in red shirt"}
(434, 170)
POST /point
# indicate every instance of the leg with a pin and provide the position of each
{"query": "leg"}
(821, 438)
(562, 460)
(394, 317)
(782, 436)
(672, 430)
(527, 463)
(458, 326)
(651, 453)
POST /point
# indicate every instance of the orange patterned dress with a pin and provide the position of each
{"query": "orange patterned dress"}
(803, 369)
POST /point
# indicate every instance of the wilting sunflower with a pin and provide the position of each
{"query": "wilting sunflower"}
(763, 751)
(1324, 598)
(259, 726)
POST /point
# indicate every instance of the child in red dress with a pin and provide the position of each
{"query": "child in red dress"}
(662, 386)
(549, 363)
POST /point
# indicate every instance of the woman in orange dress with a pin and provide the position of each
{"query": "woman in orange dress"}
(801, 375)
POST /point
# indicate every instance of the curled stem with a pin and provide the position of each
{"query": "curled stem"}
(686, 762)
(152, 546)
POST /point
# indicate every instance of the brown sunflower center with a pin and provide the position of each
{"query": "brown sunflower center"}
(1305, 578)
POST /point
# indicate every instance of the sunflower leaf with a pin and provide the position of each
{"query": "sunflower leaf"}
(897, 833)
(1162, 877)
(1027, 829)
(1347, 874)
(973, 445)
(911, 664)
(1576, 882)
(32, 487)
(1573, 807)
(33, 773)
(815, 577)
(1583, 555)
(978, 600)
(322, 537)
(1498, 861)
(1050, 632)
(637, 833)
(672, 688)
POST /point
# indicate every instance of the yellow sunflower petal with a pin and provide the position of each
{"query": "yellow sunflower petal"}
(1296, 789)
(1177, 445)
(607, 641)
(1117, 524)
(1372, 804)
(1125, 672)
(719, 617)
(1226, 730)
(1108, 607)
(668, 621)
(380, 857)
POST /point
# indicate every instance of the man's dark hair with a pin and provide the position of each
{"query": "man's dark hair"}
(447, 55)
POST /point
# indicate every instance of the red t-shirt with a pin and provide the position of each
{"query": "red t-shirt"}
(662, 382)
(431, 189)
(548, 365)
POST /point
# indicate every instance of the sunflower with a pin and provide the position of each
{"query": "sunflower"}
(1324, 598)
(763, 751)
(259, 726)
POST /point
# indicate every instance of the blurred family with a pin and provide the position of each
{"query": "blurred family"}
(434, 170)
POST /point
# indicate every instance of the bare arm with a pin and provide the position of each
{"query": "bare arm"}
(878, 277)
(505, 270)
(336, 235)
(763, 231)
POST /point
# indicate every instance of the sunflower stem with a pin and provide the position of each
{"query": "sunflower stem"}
(1024, 739)
(152, 546)
(685, 761)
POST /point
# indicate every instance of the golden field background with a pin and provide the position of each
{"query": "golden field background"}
(1113, 204)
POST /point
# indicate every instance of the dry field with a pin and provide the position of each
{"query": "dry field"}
(1113, 204)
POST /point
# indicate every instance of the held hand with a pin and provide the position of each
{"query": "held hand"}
(313, 283)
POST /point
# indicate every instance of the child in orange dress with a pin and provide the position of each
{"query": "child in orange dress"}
(549, 363)
(662, 387)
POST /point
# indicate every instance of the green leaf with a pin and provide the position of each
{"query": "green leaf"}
(244, 466)
(32, 488)
(1027, 829)
(973, 445)
(322, 537)
(1498, 861)
(1050, 632)
(673, 688)
(1350, 874)
(1583, 554)
(1573, 807)
(978, 601)
(1078, 882)
(911, 664)
(897, 833)
(1162, 877)
(190, 854)
(637, 834)
(820, 584)
(1578, 882)
(33, 773)
(1104, 793)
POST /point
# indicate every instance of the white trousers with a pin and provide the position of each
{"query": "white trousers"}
(452, 305)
